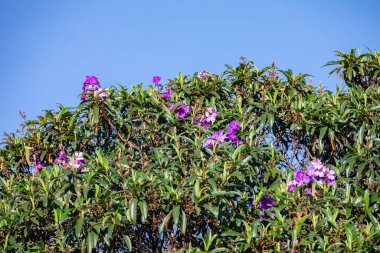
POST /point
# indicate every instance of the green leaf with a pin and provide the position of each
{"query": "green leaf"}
(184, 222)
(165, 221)
(133, 211)
(176, 213)
(322, 133)
(128, 242)
(78, 227)
(144, 211)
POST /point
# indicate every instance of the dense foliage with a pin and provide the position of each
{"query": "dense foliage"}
(250, 160)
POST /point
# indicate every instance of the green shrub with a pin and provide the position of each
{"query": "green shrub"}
(251, 160)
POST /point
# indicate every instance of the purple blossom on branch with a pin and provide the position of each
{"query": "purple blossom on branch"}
(201, 121)
(204, 73)
(231, 133)
(215, 139)
(90, 82)
(266, 202)
(156, 79)
(211, 115)
(315, 171)
(181, 111)
(62, 159)
(168, 94)
(79, 160)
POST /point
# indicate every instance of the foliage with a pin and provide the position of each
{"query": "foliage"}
(149, 181)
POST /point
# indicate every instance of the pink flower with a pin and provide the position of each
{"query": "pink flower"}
(102, 93)
(204, 73)
(79, 160)
(211, 115)
(156, 79)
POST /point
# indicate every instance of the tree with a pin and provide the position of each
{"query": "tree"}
(250, 160)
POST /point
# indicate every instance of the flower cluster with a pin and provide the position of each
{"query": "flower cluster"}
(79, 160)
(208, 118)
(181, 111)
(91, 86)
(205, 74)
(218, 137)
(315, 171)
(215, 139)
(62, 159)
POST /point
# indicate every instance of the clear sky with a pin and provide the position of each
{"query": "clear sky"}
(48, 47)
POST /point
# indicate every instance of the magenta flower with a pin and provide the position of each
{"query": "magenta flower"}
(215, 139)
(90, 86)
(168, 95)
(90, 82)
(156, 79)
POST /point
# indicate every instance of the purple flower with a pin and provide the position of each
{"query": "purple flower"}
(292, 185)
(302, 178)
(90, 86)
(316, 170)
(156, 79)
(201, 121)
(39, 165)
(309, 191)
(233, 127)
(295, 243)
(168, 95)
(62, 158)
(330, 177)
(90, 82)
(211, 115)
(170, 108)
(79, 160)
(181, 111)
(102, 93)
(266, 202)
(215, 139)
(231, 133)
(204, 73)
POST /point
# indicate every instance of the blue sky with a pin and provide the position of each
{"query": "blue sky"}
(48, 47)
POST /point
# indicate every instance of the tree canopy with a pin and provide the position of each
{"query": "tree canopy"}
(251, 160)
